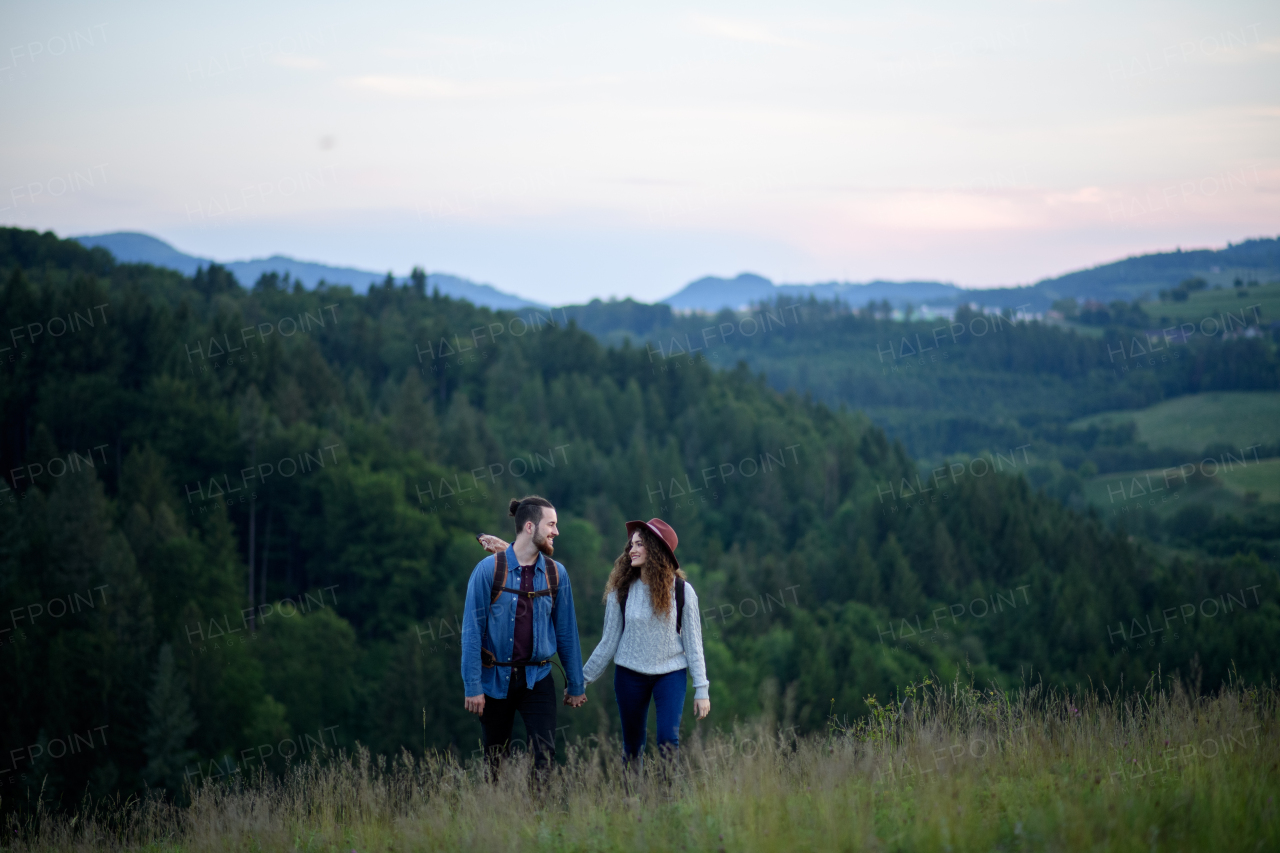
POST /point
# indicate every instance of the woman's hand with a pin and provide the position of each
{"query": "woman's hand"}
(701, 707)
(492, 544)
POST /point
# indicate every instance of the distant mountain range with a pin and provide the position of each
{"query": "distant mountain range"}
(131, 247)
(712, 294)
(1138, 277)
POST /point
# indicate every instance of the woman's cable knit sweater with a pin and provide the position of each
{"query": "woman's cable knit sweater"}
(650, 643)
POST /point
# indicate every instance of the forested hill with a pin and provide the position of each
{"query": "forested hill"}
(980, 382)
(167, 439)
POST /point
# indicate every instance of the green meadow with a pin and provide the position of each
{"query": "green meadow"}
(1196, 421)
(1229, 486)
(1257, 305)
(950, 768)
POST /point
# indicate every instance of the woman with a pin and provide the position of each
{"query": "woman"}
(652, 656)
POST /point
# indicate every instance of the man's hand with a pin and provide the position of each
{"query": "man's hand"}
(475, 704)
(701, 707)
(574, 701)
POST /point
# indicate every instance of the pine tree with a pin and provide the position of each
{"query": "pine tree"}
(866, 575)
(902, 585)
(413, 419)
(172, 723)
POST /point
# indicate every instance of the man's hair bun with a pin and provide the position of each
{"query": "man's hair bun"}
(528, 508)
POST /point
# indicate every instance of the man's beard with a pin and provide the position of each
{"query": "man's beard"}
(544, 545)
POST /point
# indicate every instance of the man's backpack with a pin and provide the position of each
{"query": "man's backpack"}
(622, 604)
(487, 658)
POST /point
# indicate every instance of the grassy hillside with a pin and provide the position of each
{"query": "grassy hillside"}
(967, 770)
(1227, 485)
(1209, 309)
(1262, 481)
(1193, 422)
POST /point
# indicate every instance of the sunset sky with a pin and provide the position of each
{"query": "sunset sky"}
(565, 151)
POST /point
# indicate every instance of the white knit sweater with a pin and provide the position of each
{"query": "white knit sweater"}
(650, 643)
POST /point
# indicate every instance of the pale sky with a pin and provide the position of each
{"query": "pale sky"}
(563, 151)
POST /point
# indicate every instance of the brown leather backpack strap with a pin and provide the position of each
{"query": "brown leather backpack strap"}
(499, 576)
(553, 587)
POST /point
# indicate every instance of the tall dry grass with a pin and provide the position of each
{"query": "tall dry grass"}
(947, 768)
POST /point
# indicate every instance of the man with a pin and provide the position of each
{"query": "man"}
(507, 645)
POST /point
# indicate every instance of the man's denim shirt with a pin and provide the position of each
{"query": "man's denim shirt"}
(547, 639)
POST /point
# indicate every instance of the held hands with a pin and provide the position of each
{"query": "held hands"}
(574, 701)
(701, 707)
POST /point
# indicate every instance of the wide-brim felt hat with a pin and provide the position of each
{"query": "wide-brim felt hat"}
(660, 529)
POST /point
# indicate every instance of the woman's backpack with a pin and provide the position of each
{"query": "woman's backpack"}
(622, 604)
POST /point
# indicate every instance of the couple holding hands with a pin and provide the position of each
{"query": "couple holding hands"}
(520, 614)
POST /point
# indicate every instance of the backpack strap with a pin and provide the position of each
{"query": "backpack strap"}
(622, 605)
(499, 577)
(679, 603)
(488, 658)
(500, 582)
(553, 587)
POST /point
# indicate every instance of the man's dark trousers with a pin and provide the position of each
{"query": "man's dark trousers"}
(537, 707)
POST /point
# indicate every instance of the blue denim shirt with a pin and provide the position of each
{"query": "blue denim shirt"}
(548, 639)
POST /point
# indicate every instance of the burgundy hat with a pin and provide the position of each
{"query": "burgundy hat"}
(662, 530)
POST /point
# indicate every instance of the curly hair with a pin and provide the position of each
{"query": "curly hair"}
(658, 571)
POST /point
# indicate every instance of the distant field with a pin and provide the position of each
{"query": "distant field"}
(1263, 478)
(1215, 303)
(1225, 487)
(1193, 422)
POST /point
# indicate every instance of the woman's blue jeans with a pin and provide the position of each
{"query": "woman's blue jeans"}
(633, 690)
